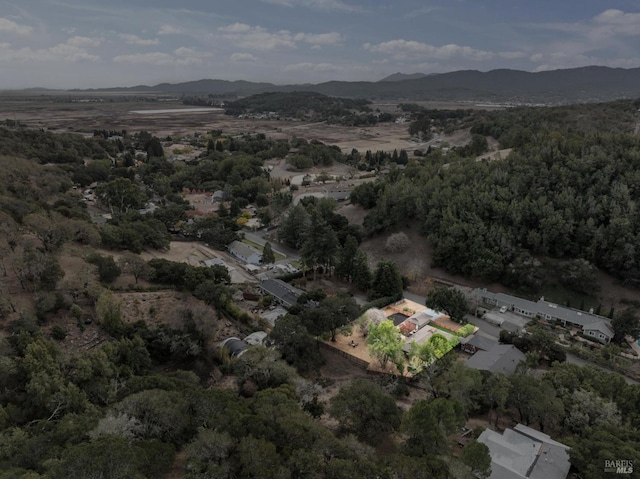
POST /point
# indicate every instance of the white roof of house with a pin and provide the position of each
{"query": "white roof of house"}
(242, 249)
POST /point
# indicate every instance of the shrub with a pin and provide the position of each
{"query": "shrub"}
(466, 330)
(397, 243)
(58, 333)
(108, 270)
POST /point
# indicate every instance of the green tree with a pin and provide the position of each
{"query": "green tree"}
(292, 226)
(426, 425)
(108, 270)
(297, 347)
(216, 295)
(346, 258)
(320, 244)
(120, 195)
(257, 458)
(385, 342)
(209, 455)
(496, 390)
(366, 409)
(332, 313)
(134, 265)
(154, 149)
(626, 323)
(386, 280)
(420, 357)
(450, 300)
(163, 415)
(589, 451)
(109, 310)
(51, 230)
(476, 456)
(267, 254)
(360, 272)
(36, 269)
(107, 457)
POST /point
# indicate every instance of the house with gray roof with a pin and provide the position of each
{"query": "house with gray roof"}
(283, 293)
(592, 325)
(524, 453)
(501, 358)
(245, 253)
(600, 331)
(474, 343)
(338, 192)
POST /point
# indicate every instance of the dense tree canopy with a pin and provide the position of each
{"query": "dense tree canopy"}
(561, 194)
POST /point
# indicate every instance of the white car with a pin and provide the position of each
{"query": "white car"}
(503, 309)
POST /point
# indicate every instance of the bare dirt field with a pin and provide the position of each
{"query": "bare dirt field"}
(195, 253)
(49, 112)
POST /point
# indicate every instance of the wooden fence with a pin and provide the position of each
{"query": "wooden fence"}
(352, 359)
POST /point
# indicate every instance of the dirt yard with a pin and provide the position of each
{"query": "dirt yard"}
(195, 253)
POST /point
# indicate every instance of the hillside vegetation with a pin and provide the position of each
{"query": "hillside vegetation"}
(568, 191)
(86, 393)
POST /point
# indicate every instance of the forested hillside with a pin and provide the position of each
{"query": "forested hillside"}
(86, 393)
(568, 191)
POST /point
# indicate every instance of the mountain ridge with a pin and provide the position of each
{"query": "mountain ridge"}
(584, 84)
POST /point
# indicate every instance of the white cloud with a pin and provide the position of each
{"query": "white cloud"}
(168, 30)
(243, 57)
(316, 4)
(136, 40)
(82, 42)
(190, 52)
(69, 52)
(627, 23)
(311, 67)
(403, 48)
(183, 57)
(320, 39)
(236, 28)
(257, 38)
(10, 26)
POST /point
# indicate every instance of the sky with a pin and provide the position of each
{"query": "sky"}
(107, 43)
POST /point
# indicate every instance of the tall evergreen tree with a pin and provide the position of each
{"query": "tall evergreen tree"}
(267, 254)
(387, 280)
(360, 272)
(346, 258)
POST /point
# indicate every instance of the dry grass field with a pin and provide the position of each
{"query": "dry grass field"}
(48, 111)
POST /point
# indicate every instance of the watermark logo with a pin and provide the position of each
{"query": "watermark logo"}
(618, 466)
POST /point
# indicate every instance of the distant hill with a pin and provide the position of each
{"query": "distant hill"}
(404, 76)
(576, 85)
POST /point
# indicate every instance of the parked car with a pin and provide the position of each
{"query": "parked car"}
(503, 309)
